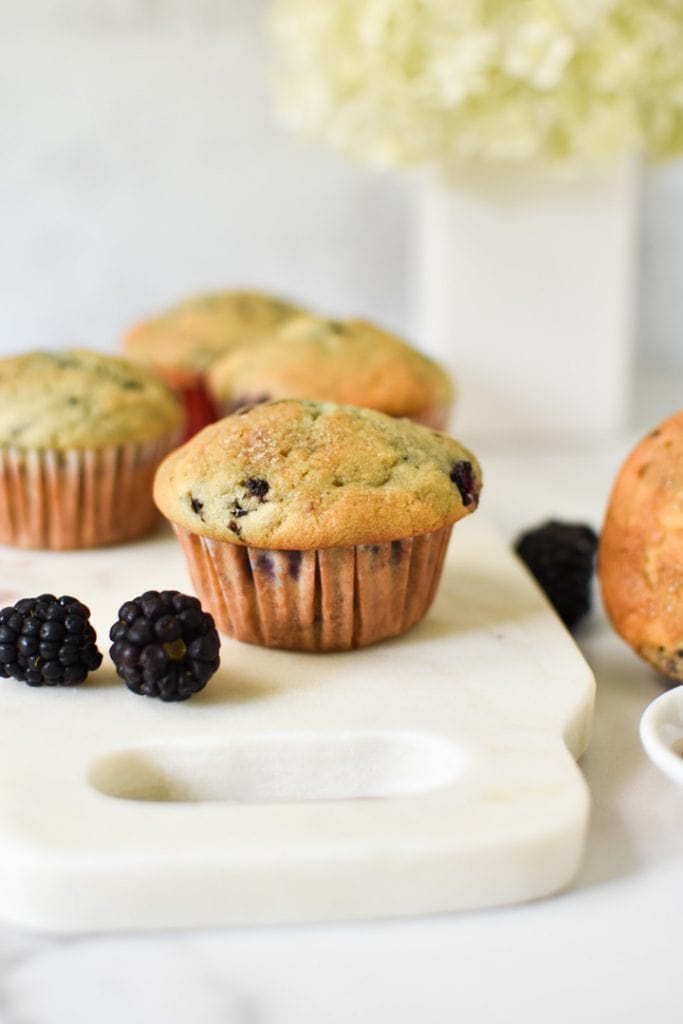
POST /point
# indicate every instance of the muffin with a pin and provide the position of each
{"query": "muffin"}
(81, 435)
(181, 343)
(345, 361)
(315, 526)
(640, 555)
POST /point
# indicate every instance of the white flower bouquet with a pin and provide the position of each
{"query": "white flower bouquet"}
(405, 82)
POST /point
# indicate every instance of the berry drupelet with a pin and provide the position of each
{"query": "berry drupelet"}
(164, 645)
(561, 556)
(48, 641)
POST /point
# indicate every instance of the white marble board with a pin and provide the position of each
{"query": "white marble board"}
(430, 773)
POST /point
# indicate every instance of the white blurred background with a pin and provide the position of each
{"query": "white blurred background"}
(140, 160)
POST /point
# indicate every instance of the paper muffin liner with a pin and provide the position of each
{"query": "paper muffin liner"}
(329, 599)
(200, 408)
(79, 498)
(436, 418)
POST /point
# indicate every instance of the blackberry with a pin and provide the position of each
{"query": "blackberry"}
(164, 645)
(561, 556)
(48, 641)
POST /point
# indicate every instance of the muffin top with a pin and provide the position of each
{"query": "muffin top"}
(300, 474)
(192, 334)
(81, 399)
(345, 361)
(640, 555)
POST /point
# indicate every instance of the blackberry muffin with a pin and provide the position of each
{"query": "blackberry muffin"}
(346, 361)
(640, 554)
(81, 435)
(181, 343)
(315, 526)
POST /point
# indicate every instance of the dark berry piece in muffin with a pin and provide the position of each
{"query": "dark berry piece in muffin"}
(164, 645)
(462, 475)
(48, 641)
(257, 486)
(561, 556)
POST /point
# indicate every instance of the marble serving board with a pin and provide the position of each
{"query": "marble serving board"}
(429, 773)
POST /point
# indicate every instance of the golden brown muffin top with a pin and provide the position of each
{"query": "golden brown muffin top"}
(191, 335)
(81, 399)
(345, 361)
(299, 474)
(640, 555)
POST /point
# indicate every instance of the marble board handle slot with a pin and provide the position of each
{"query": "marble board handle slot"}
(278, 768)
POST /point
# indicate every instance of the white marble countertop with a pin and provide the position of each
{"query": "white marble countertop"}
(606, 949)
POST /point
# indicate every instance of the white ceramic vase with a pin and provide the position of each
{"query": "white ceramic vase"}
(526, 282)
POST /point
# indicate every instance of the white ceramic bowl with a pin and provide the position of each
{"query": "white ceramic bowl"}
(661, 733)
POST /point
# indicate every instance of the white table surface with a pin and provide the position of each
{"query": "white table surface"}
(607, 949)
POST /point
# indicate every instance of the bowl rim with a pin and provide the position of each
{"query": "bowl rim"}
(664, 711)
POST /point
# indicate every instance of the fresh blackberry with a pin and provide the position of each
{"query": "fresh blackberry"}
(562, 556)
(48, 641)
(164, 645)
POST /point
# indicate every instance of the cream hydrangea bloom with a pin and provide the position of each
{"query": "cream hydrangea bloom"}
(435, 81)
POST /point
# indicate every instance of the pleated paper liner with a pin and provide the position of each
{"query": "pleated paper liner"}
(78, 498)
(329, 599)
(200, 409)
(436, 418)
